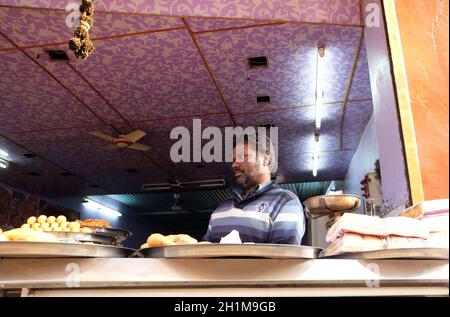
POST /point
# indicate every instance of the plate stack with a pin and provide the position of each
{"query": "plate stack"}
(99, 235)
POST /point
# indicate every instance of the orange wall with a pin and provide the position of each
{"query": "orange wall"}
(424, 31)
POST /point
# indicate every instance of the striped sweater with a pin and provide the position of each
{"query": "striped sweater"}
(271, 215)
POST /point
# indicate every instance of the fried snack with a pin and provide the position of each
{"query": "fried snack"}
(181, 239)
(54, 225)
(86, 230)
(31, 220)
(426, 208)
(103, 223)
(25, 226)
(158, 240)
(29, 235)
(74, 230)
(51, 219)
(74, 225)
(45, 225)
(61, 219)
(143, 246)
(42, 219)
(354, 242)
(35, 225)
(66, 229)
(64, 225)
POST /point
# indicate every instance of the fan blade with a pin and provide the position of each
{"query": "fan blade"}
(110, 147)
(102, 135)
(139, 147)
(134, 136)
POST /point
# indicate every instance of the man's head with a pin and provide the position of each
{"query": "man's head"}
(254, 160)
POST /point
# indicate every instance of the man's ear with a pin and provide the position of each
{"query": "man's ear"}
(266, 161)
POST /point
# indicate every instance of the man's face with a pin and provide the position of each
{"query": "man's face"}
(247, 165)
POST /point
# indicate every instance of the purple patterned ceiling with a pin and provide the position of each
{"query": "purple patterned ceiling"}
(320, 11)
(148, 73)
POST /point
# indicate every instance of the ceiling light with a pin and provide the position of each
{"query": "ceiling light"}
(3, 153)
(315, 155)
(101, 208)
(3, 163)
(319, 85)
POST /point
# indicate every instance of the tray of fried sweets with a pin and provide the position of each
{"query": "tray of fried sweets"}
(56, 249)
(183, 246)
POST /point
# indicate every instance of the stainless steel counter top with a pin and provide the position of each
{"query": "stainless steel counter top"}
(289, 277)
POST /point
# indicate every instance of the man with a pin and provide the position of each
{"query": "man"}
(260, 211)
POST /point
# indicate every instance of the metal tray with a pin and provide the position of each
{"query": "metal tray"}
(98, 238)
(407, 254)
(324, 205)
(31, 249)
(216, 250)
(120, 234)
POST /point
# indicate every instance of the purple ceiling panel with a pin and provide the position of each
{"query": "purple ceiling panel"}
(31, 99)
(361, 81)
(166, 125)
(116, 24)
(33, 27)
(21, 165)
(296, 127)
(202, 24)
(202, 171)
(91, 155)
(51, 186)
(152, 76)
(325, 11)
(120, 181)
(4, 43)
(332, 166)
(69, 78)
(355, 121)
(292, 118)
(294, 142)
(28, 27)
(58, 135)
(290, 77)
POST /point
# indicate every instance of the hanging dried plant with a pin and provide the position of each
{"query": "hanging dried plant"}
(80, 43)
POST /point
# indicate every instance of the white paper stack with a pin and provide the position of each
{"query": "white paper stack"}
(361, 233)
(434, 214)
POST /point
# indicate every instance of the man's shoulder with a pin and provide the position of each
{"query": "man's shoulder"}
(224, 205)
(284, 193)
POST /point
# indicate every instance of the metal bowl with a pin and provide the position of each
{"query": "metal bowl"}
(324, 205)
(119, 234)
(97, 238)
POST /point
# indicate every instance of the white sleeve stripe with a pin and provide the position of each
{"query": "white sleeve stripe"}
(288, 217)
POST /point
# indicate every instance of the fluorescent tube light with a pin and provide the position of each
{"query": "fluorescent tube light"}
(101, 208)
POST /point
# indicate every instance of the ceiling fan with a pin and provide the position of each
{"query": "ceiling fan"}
(124, 141)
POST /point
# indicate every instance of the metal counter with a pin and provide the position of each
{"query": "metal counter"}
(222, 277)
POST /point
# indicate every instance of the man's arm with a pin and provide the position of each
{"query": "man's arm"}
(288, 227)
(207, 236)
